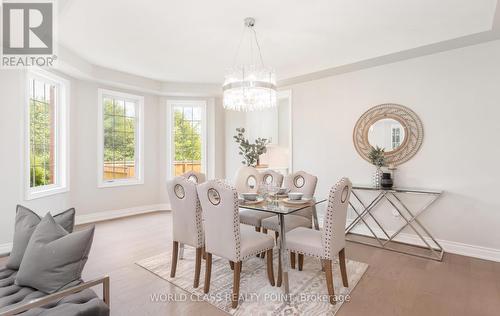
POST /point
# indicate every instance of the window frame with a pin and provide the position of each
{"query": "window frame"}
(139, 137)
(61, 136)
(170, 135)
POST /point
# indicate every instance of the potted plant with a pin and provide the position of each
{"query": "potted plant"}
(377, 158)
(250, 152)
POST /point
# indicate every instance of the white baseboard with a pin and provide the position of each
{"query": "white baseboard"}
(113, 214)
(5, 248)
(448, 246)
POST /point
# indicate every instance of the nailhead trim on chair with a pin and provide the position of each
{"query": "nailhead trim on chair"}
(194, 176)
(327, 233)
(253, 254)
(200, 238)
(333, 204)
(236, 216)
(199, 224)
(306, 253)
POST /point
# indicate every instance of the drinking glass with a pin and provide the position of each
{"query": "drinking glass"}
(273, 191)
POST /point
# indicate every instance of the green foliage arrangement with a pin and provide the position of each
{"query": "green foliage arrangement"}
(377, 157)
(250, 152)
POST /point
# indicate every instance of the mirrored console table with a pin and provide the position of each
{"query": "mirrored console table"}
(378, 236)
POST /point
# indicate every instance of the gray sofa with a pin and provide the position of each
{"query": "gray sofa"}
(77, 299)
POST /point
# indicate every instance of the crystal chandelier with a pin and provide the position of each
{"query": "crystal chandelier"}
(249, 86)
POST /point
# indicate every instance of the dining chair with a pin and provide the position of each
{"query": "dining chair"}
(186, 221)
(271, 177)
(254, 218)
(302, 182)
(328, 242)
(246, 180)
(196, 177)
(225, 238)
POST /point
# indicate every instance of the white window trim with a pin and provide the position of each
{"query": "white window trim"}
(139, 144)
(61, 184)
(170, 139)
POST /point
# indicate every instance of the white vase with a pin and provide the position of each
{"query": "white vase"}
(377, 177)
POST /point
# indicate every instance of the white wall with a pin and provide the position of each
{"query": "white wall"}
(12, 87)
(86, 197)
(456, 94)
(84, 194)
(234, 120)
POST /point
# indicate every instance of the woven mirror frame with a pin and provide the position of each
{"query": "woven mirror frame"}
(413, 127)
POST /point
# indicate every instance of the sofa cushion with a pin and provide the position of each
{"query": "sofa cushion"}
(26, 222)
(84, 303)
(54, 258)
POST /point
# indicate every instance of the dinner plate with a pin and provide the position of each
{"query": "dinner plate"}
(259, 200)
(298, 202)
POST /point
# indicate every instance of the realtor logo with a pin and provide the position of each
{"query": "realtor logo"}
(27, 29)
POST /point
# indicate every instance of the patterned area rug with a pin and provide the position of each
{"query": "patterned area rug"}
(257, 296)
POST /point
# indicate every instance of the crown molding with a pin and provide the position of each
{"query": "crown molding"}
(459, 42)
(72, 65)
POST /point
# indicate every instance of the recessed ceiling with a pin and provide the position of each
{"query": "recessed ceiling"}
(195, 41)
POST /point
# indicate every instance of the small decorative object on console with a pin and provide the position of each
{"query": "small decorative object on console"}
(377, 158)
(386, 181)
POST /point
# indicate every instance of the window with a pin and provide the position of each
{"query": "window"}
(120, 139)
(396, 137)
(187, 137)
(46, 135)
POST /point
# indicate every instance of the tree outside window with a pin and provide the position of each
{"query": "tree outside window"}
(187, 139)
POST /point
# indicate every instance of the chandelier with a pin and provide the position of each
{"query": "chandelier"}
(249, 86)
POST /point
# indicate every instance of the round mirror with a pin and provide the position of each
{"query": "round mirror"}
(386, 133)
(251, 182)
(393, 127)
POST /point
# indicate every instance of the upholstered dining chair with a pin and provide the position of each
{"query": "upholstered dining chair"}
(302, 182)
(254, 218)
(223, 236)
(246, 180)
(328, 242)
(186, 221)
(271, 177)
(196, 177)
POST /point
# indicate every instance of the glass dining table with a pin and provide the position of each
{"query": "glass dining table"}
(280, 207)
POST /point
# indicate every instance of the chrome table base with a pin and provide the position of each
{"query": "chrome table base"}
(409, 217)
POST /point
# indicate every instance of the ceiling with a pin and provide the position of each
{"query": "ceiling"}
(196, 41)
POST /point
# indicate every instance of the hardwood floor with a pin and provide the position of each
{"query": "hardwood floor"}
(395, 284)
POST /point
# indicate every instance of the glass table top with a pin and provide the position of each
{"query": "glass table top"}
(279, 206)
(396, 189)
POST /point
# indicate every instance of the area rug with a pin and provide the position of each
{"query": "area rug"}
(308, 294)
